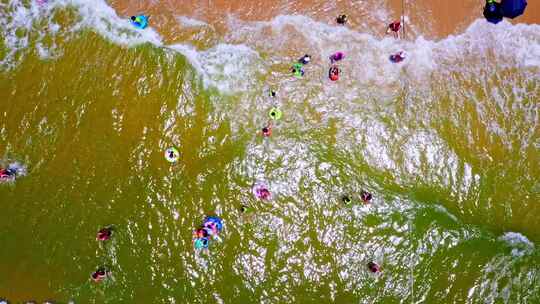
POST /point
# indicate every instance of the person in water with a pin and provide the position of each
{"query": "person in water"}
(140, 21)
(305, 59)
(267, 131)
(493, 11)
(201, 243)
(374, 267)
(341, 19)
(366, 196)
(244, 208)
(260, 190)
(210, 228)
(263, 194)
(104, 234)
(398, 57)
(394, 28)
(337, 56)
(100, 274)
(8, 174)
(201, 233)
(333, 73)
(298, 69)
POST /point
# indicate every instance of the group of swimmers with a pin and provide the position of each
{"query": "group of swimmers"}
(334, 71)
(11, 172)
(209, 230)
(102, 272)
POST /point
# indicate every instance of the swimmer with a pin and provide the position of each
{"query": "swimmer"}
(104, 234)
(341, 19)
(172, 155)
(366, 196)
(263, 193)
(140, 21)
(346, 199)
(275, 114)
(267, 131)
(100, 274)
(244, 208)
(298, 70)
(201, 243)
(7, 173)
(260, 190)
(333, 73)
(374, 267)
(398, 57)
(210, 228)
(493, 11)
(135, 21)
(394, 28)
(337, 56)
(305, 59)
(201, 232)
(213, 225)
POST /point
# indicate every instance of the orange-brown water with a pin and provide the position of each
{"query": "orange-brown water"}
(433, 19)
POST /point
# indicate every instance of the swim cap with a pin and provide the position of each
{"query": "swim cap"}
(172, 155)
(275, 114)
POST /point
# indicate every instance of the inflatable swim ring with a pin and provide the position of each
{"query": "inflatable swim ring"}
(275, 114)
(140, 22)
(215, 220)
(261, 191)
(201, 243)
(172, 155)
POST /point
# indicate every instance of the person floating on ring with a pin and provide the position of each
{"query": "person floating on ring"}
(366, 196)
(333, 73)
(305, 59)
(341, 19)
(140, 21)
(267, 131)
(104, 234)
(100, 274)
(398, 57)
(298, 69)
(260, 191)
(337, 56)
(172, 155)
(374, 267)
(275, 114)
(394, 28)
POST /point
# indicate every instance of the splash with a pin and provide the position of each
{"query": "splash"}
(518, 242)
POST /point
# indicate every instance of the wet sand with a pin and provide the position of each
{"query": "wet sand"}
(431, 19)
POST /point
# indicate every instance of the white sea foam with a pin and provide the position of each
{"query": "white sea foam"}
(519, 243)
(24, 22)
(229, 68)
(190, 22)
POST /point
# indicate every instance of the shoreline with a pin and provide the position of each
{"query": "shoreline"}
(434, 21)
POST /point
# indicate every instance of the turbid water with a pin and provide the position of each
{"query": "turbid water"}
(447, 141)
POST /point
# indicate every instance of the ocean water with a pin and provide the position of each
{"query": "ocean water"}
(446, 141)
